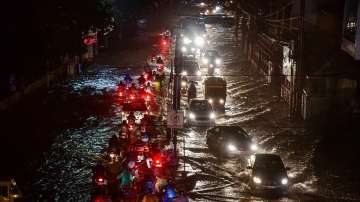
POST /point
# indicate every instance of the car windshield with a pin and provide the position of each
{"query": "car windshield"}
(236, 133)
(211, 54)
(191, 67)
(216, 91)
(200, 105)
(269, 162)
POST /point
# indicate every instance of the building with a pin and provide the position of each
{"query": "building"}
(351, 29)
(309, 48)
(331, 87)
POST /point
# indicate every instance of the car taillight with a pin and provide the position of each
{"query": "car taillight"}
(158, 164)
(131, 127)
(121, 93)
(132, 97)
(148, 98)
(100, 179)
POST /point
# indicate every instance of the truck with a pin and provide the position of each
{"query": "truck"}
(215, 92)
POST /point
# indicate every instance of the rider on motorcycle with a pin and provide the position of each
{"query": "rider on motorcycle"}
(127, 79)
(141, 80)
(124, 130)
(191, 91)
(131, 117)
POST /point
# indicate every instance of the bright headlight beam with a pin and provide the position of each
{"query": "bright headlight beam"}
(253, 147)
(231, 147)
(199, 41)
(284, 181)
(192, 116)
(212, 115)
(186, 40)
(205, 61)
(257, 180)
(217, 61)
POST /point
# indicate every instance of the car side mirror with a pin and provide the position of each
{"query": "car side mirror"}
(248, 167)
(288, 168)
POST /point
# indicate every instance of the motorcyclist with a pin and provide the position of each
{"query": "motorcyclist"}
(121, 86)
(141, 80)
(169, 193)
(131, 117)
(159, 61)
(124, 130)
(99, 176)
(148, 88)
(191, 91)
(127, 79)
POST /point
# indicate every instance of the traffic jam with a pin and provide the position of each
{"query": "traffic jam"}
(143, 161)
(205, 105)
(139, 163)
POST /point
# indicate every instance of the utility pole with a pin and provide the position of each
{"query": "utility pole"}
(298, 73)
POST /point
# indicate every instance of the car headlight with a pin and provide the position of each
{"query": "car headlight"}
(257, 180)
(221, 101)
(204, 35)
(205, 61)
(184, 73)
(183, 49)
(254, 147)
(193, 49)
(217, 61)
(186, 40)
(284, 181)
(231, 147)
(198, 73)
(212, 115)
(211, 65)
(210, 101)
(183, 83)
(192, 116)
(199, 41)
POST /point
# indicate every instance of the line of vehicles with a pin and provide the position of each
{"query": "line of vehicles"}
(139, 164)
(203, 65)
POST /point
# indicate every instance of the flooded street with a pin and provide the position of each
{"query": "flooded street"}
(257, 107)
(84, 114)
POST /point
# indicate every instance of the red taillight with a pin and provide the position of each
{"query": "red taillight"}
(132, 97)
(131, 127)
(120, 93)
(146, 76)
(164, 43)
(100, 179)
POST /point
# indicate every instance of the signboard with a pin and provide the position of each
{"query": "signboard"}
(175, 119)
(287, 63)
